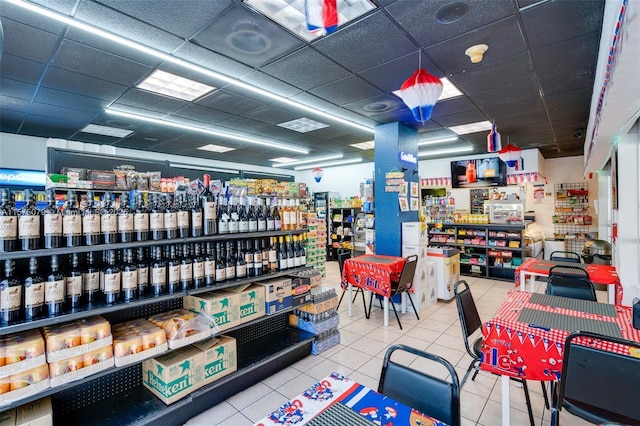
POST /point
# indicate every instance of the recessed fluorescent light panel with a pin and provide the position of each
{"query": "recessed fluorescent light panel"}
(303, 125)
(282, 160)
(335, 163)
(216, 148)
(175, 86)
(106, 131)
(437, 140)
(448, 90)
(364, 145)
(445, 151)
(471, 127)
(290, 13)
(309, 160)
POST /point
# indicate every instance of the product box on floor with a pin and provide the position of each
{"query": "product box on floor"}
(174, 375)
(223, 307)
(300, 293)
(251, 301)
(325, 341)
(220, 357)
(311, 277)
(36, 413)
(314, 326)
(277, 294)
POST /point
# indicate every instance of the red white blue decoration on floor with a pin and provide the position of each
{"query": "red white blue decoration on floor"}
(420, 92)
(322, 16)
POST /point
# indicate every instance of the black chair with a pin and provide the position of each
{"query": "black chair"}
(344, 254)
(431, 395)
(572, 282)
(403, 285)
(597, 385)
(565, 256)
(470, 322)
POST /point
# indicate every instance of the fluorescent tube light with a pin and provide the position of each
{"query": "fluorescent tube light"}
(437, 141)
(106, 131)
(335, 163)
(307, 161)
(180, 62)
(303, 125)
(471, 127)
(282, 160)
(445, 151)
(205, 168)
(216, 148)
(206, 131)
(364, 145)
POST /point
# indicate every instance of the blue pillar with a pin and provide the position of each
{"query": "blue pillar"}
(395, 146)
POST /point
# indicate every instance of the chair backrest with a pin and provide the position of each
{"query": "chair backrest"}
(343, 254)
(433, 396)
(599, 385)
(467, 310)
(565, 256)
(570, 282)
(405, 281)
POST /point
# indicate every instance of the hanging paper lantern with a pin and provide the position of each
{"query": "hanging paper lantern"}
(317, 173)
(494, 143)
(421, 92)
(510, 154)
(321, 16)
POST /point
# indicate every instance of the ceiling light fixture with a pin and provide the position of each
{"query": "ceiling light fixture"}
(445, 151)
(106, 131)
(437, 141)
(282, 160)
(303, 125)
(206, 131)
(335, 163)
(364, 145)
(310, 160)
(209, 169)
(476, 52)
(471, 127)
(182, 63)
(175, 86)
(216, 148)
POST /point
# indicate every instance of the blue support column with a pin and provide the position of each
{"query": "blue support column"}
(391, 140)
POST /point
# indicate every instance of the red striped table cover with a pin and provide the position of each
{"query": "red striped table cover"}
(372, 272)
(512, 348)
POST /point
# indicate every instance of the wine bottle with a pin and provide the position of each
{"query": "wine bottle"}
(173, 271)
(158, 273)
(283, 263)
(252, 215)
(271, 221)
(125, 219)
(243, 218)
(293, 215)
(285, 215)
(183, 215)
(186, 267)
(248, 258)
(108, 220)
(230, 261)
(241, 263)
(273, 256)
(129, 272)
(223, 216)
(73, 284)
(156, 219)
(111, 279)
(257, 258)
(141, 219)
(54, 291)
(261, 216)
(143, 272)
(91, 222)
(209, 265)
(198, 267)
(91, 280)
(276, 216)
(234, 225)
(33, 292)
(11, 302)
(170, 219)
(303, 251)
(265, 255)
(221, 264)
(209, 208)
(290, 254)
(196, 217)
(8, 223)
(52, 221)
(72, 221)
(296, 252)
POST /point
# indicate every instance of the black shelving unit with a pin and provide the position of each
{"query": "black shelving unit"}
(341, 230)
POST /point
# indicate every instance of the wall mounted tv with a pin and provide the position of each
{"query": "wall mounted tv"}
(478, 173)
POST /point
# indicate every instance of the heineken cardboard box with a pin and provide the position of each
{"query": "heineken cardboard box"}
(35, 413)
(174, 375)
(224, 307)
(220, 357)
(251, 301)
(277, 294)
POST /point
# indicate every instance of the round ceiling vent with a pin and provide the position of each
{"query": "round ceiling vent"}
(119, 123)
(376, 107)
(451, 13)
(247, 38)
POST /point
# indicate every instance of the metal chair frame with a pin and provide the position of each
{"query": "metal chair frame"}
(344, 254)
(565, 256)
(572, 282)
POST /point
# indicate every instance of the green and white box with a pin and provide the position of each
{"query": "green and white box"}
(220, 357)
(222, 306)
(174, 375)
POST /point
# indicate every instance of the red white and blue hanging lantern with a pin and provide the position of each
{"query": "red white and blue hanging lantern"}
(510, 154)
(317, 174)
(421, 92)
(494, 143)
(322, 16)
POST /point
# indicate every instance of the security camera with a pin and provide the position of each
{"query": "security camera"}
(578, 134)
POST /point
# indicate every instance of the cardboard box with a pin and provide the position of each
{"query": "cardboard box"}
(277, 294)
(220, 357)
(36, 413)
(8, 418)
(309, 276)
(224, 307)
(174, 375)
(102, 179)
(252, 304)
(77, 172)
(300, 293)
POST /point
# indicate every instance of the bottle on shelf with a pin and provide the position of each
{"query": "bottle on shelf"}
(108, 220)
(8, 222)
(143, 271)
(52, 222)
(285, 214)
(293, 215)
(241, 263)
(257, 258)
(173, 271)
(156, 219)
(11, 301)
(91, 221)
(74, 284)
(186, 267)
(209, 264)
(243, 218)
(91, 280)
(111, 279)
(158, 273)
(230, 261)
(291, 257)
(248, 258)
(72, 221)
(125, 217)
(183, 217)
(283, 263)
(234, 225)
(196, 217)
(33, 292)
(273, 255)
(264, 246)
(209, 208)
(141, 219)
(270, 219)
(129, 273)
(252, 214)
(29, 223)
(221, 264)
(54, 289)
(198, 267)
(261, 216)
(303, 251)
(276, 216)
(296, 252)
(170, 219)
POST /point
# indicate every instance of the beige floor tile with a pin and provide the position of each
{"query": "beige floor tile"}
(307, 362)
(265, 405)
(361, 327)
(248, 396)
(453, 342)
(348, 337)
(223, 410)
(426, 334)
(237, 419)
(492, 415)
(412, 342)
(386, 335)
(350, 358)
(471, 405)
(369, 346)
(281, 377)
(451, 355)
(327, 366)
(296, 386)
(431, 323)
(372, 368)
(364, 379)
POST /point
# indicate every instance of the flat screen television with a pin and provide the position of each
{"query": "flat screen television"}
(478, 173)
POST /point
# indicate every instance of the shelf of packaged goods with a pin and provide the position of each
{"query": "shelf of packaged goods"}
(101, 308)
(508, 268)
(24, 254)
(504, 248)
(472, 245)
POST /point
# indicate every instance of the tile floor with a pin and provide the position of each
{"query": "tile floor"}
(361, 351)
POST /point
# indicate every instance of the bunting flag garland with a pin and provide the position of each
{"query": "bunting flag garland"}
(322, 16)
(420, 92)
(494, 144)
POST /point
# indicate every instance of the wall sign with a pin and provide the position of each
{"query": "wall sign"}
(22, 177)
(407, 157)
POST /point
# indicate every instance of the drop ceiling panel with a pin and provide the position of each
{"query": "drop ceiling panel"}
(525, 89)
(576, 54)
(390, 75)
(482, 77)
(21, 69)
(460, 118)
(13, 104)
(346, 90)
(242, 124)
(377, 105)
(452, 106)
(82, 84)
(231, 103)
(143, 99)
(79, 117)
(198, 55)
(21, 15)
(16, 89)
(271, 115)
(47, 127)
(202, 114)
(17, 36)
(562, 82)
(495, 109)
(271, 84)
(78, 102)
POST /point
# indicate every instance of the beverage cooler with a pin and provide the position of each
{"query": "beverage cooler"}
(363, 234)
(322, 207)
(414, 241)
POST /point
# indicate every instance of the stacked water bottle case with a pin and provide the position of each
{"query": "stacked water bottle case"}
(320, 318)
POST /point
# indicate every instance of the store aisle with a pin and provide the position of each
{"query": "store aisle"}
(360, 354)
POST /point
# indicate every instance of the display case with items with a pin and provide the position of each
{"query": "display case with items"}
(341, 230)
(571, 218)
